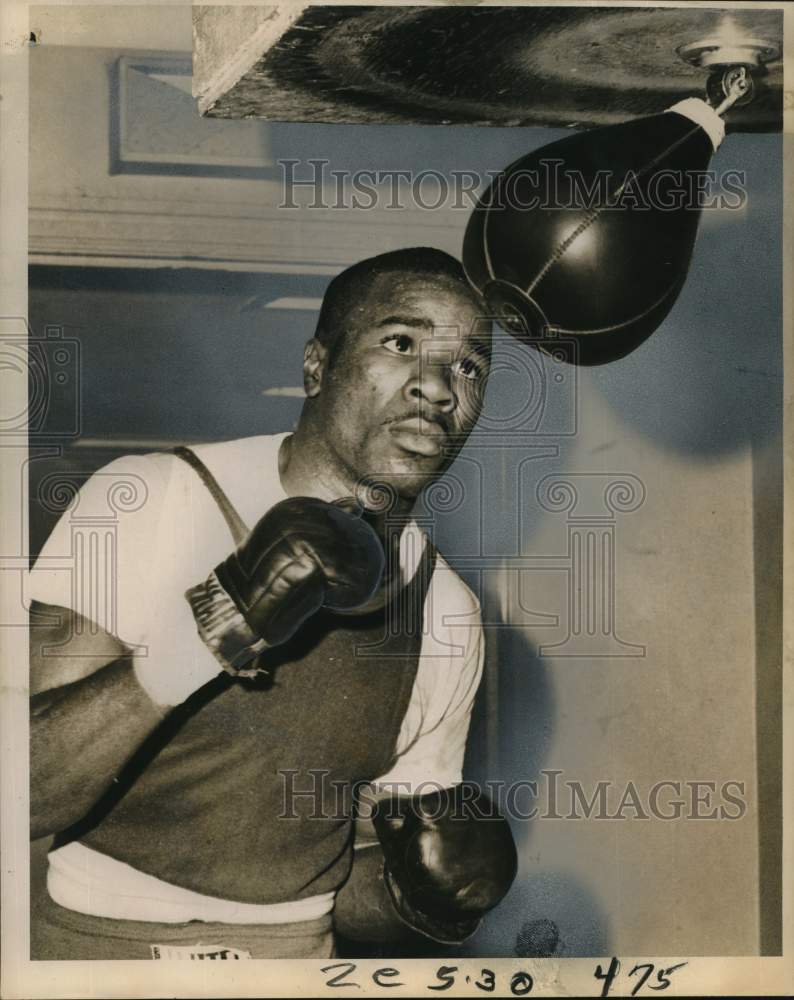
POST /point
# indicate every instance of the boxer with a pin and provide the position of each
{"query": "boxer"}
(201, 765)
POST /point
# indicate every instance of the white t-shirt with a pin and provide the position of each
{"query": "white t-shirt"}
(145, 529)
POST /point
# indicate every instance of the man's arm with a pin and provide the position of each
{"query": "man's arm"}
(92, 702)
(81, 735)
(88, 715)
(87, 722)
(363, 910)
(430, 755)
(442, 860)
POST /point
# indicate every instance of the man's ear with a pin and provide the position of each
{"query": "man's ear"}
(315, 355)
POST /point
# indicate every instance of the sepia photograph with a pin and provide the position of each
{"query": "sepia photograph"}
(393, 454)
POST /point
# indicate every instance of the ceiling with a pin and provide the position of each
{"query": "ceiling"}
(512, 65)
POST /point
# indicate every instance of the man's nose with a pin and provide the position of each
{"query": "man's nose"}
(432, 383)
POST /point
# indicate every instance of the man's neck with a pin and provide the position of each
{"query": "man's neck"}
(302, 475)
(306, 472)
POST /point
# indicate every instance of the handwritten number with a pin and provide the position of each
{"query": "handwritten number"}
(447, 976)
(648, 970)
(521, 984)
(347, 968)
(662, 974)
(608, 976)
(490, 981)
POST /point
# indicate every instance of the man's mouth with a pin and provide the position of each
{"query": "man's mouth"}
(418, 435)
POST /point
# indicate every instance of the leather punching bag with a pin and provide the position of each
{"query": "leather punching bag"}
(581, 247)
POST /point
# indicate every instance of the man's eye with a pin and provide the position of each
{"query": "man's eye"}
(468, 369)
(398, 343)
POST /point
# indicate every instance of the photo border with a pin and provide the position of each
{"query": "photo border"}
(22, 978)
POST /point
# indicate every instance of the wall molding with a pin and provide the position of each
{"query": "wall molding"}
(240, 235)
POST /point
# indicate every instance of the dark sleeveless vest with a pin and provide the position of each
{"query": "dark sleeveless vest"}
(244, 792)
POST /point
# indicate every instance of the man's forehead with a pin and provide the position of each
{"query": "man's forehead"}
(409, 284)
(443, 306)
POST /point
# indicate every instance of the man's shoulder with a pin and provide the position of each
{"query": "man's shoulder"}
(450, 590)
(238, 448)
(129, 480)
(247, 471)
(227, 460)
(155, 473)
(215, 451)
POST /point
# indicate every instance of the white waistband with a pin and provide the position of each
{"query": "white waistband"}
(82, 879)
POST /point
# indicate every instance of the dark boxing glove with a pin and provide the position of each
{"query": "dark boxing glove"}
(449, 858)
(303, 555)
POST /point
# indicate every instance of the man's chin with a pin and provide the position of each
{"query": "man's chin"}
(407, 475)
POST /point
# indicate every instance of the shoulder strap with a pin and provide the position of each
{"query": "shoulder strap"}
(236, 524)
(422, 578)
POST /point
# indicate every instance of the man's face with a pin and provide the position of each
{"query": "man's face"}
(405, 384)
